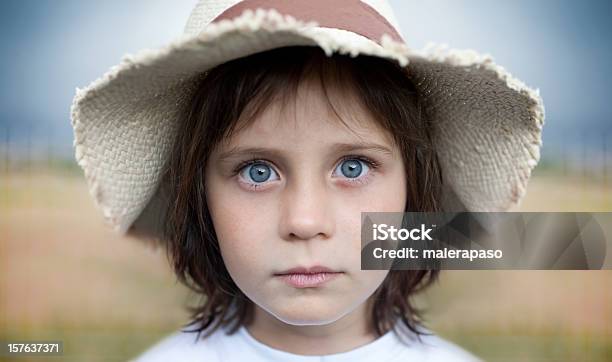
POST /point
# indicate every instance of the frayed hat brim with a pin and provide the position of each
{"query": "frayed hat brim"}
(487, 124)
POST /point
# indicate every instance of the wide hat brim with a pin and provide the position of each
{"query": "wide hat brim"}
(487, 124)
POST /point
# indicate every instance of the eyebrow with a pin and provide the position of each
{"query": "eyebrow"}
(336, 148)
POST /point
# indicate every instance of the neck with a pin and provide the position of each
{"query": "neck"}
(345, 334)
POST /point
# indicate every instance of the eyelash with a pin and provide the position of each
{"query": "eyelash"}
(372, 164)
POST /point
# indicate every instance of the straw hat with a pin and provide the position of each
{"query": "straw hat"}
(487, 124)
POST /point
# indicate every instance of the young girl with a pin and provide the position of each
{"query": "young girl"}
(251, 147)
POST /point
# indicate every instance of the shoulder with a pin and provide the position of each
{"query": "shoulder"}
(183, 346)
(433, 348)
(439, 349)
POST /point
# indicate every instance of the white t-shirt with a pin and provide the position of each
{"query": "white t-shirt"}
(242, 346)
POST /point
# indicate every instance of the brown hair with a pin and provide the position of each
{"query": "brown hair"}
(230, 96)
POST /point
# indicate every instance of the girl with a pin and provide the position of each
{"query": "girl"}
(250, 147)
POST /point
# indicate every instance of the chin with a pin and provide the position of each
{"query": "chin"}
(303, 314)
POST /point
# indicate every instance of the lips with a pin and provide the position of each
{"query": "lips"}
(302, 277)
(312, 270)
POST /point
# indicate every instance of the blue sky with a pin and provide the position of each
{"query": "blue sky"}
(561, 47)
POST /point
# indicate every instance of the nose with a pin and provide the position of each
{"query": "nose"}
(306, 211)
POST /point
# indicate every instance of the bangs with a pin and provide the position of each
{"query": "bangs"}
(273, 78)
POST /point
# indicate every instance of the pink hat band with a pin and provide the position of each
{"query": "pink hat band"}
(351, 15)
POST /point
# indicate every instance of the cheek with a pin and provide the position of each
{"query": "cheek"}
(243, 229)
(386, 194)
(371, 280)
(390, 192)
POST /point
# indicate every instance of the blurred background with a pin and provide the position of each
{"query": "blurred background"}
(65, 276)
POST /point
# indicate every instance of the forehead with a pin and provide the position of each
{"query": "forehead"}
(313, 115)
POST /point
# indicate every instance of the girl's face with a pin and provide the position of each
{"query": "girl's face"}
(288, 191)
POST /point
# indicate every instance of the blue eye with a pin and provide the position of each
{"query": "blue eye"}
(258, 172)
(352, 168)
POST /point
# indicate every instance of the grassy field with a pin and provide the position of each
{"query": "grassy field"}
(65, 276)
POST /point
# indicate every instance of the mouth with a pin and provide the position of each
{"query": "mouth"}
(302, 277)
